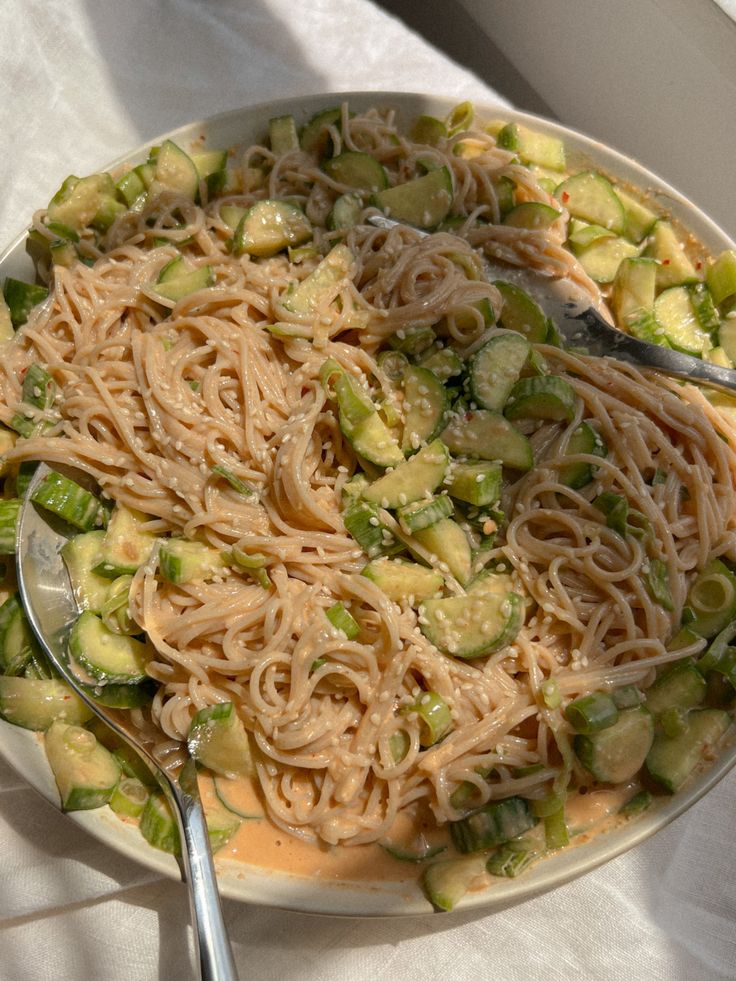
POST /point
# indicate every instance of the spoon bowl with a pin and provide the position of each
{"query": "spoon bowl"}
(51, 608)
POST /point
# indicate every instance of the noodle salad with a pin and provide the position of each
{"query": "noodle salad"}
(367, 538)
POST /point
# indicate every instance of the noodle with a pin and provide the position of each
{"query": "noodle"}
(150, 403)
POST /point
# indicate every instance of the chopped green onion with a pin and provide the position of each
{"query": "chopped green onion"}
(460, 118)
(39, 388)
(398, 743)
(9, 511)
(673, 721)
(405, 855)
(328, 374)
(509, 861)
(235, 482)
(638, 803)
(393, 364)
(342, 619)
(552, 810)
(591, 713)
(253, 565)
(528, 771)
(616, 510)
(550, 693)
(434, 713)
(413, 340)
(491, 825)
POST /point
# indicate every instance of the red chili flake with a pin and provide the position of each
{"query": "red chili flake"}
(565, 196)
(698, 265)
(666, 262)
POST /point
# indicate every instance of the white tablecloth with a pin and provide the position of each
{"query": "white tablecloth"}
(81, 82)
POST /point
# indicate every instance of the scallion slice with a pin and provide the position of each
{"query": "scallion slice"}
(434, 714)
(343, 620)
(591, 713)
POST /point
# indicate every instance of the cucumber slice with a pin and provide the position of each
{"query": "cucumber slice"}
(495, 368)
(425, 407)
(223, 790)
(533, 215)
(218, 740)
(122, 696)
(675, 268)
(680, 686)
(129, 797)
(131, 764)
(591, 197)
(232, 214)
(449, 543)
(672, 760)
(282, 135)
(269, 227)
(359, 171)
(422, 514)
(483, 621)
(617, 753)
(126, 546)
(543, 397)
(21, 298)
(158, 825)
(222, 823)
(428, 130)
(9, 511)
(488, 435)
(446, 882)
(676, 317)
(412, 479)
(18, 642)
(181, 561)
(634, 289)
(36, 703)
(111, 657)
(314, 137)
(413, 341)
(66, 499)
(403, 581)
(521, 313)
(476, 483)
(720, 276)
(639, 220)
(712, 598)
(532, 147)
(373, 441)
(443, 362)
(361, 520)
(727, 338)
(85, 772)
(492, 825)
(423, 202)
(81, 203)
(582, 234)
(211, 167)
(346, 212)
(81, 555)
(6, 321)
(602, 258)
(585, 439)
(705, 309)
(320, 285)
(175, 170)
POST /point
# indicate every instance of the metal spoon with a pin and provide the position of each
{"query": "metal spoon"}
(583, 327)
(51, 609)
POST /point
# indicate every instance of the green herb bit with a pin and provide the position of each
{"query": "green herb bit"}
(253, 565)
(342, 619)
(510, 860)
(235, 482)
(591, 713)
(658, 583)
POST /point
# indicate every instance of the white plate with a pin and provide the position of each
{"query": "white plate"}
(252, 884)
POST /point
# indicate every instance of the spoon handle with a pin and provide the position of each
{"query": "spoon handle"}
(212, 947)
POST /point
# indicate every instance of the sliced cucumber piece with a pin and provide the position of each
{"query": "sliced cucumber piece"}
(21, 298)
(81, 554)
(542, 397)
(126, 546)
(36, 703)
(638, 218)
(488, 435)
(476, 483)
(374, 441)
(602, 258)
(423, 202)
(282, 135)
(585, 439)
(449, 543)
(158, 825)
(533, 215)
(81, 203)
(314, 136)
(705, 309)
(675, 268)
(425, 407)
(483, 621)
(111, 657)
(175, 170)
(424, 513)
(521, 313)
(680, 686)
(269, 227)
(361, 520)
(582, 234)
(66, 499)
(222, 823)
(360, 171)
(6, 321)
(496, 367)
(223, 790)
(319, 286)
(591, 197)
(675, 315)
(180, 281)
(617, 753)
(18, 642)
(9, 511)
(533, 147)
(218, 740)
(634, 289)
(85, 772)
(720, 276)
(446, 882)
(211, 167)
(672, 760)
(403, 581)
(181, 561)
(412, 479)
(428, 130)
(346, 212)
(413, 341)
(443, 362)
(492, 825)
